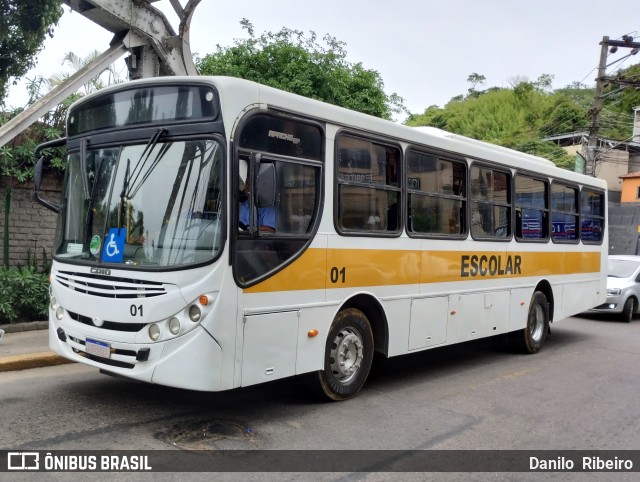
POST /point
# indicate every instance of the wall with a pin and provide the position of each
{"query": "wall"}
(630, 190)
(624, 228)
(32, 227)
(614, 164)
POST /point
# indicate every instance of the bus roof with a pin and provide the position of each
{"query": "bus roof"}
(240, 93)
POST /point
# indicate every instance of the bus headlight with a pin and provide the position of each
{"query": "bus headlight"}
(53, 303)
(195, 313)
(154, 332)
(174, 326)
(59, 312)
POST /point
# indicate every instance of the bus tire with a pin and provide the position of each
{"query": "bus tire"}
(531, 339)
(348, 356)
(628, 310)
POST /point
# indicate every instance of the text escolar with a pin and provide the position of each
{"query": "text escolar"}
(493, 265)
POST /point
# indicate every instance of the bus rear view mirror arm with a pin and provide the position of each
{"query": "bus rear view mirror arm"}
(265, 190)
(37, 175)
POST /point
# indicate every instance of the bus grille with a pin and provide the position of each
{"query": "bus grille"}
(107, 325)
(109, 287)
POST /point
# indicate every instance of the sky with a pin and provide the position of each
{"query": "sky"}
(424, 50)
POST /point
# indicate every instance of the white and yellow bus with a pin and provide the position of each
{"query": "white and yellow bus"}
(215, 233)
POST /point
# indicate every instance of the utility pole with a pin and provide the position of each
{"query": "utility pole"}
(592, 145)
(595, 110)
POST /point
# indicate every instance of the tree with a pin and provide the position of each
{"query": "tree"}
(73, 60)
(514, 118)
(23, 27)
(290, 61)
(476, 80)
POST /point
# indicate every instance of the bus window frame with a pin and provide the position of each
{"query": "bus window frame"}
(546, 211)
(235, 150)
(147, 125)
(102, 140)
(510, 204)
(603, 217)
(401, 188)
(447, 156)
(576, 188)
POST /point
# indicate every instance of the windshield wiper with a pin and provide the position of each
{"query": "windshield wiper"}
(83, 168)
(123, 195)
(156, 161)
(148, 149)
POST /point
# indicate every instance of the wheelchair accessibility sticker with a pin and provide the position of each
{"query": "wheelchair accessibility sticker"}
(113, 251)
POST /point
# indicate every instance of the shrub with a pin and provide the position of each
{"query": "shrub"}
(23, 295)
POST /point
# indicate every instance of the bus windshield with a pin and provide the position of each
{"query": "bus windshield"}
(152, 204)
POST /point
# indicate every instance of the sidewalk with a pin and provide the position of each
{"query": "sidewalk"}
(26, 345)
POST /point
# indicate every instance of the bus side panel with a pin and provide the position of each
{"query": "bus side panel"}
(520, 299)
(576, 293)
(311, 346)
(429, 317)
(398, 315)
(482, 314)
(269, 347)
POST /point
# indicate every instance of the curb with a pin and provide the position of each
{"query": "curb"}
(31, 360)
(25, 326)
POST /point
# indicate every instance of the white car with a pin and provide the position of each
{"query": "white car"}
(623, 287)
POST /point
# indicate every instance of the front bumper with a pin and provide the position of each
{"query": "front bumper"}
(614, 304)
(178, 362)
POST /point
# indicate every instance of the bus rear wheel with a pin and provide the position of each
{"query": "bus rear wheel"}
(348, 355)
(531, 339)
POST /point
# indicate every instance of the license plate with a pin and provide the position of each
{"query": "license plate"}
(98, 348)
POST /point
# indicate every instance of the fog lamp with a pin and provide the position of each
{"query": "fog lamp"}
(194, 313)
(174, 326)
(154, 332)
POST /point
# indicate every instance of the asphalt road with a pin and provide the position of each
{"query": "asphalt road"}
(580, 392)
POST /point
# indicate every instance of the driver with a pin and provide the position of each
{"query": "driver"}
(266, 217)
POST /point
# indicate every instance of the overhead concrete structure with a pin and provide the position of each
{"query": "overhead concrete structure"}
(139, 29)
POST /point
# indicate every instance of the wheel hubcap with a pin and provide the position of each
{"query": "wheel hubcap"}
(536, 326)
(347, 352)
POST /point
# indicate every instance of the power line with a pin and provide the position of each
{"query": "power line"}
(607, 46)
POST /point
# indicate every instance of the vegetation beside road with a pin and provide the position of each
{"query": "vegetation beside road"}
(24, 293)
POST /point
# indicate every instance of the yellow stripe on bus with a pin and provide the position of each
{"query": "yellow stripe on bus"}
(353, 268)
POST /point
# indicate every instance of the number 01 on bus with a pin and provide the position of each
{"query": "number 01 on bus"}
(215, 233)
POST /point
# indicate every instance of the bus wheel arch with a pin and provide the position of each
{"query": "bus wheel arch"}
(358, 328)
(545, 288)
(531, 339)
(372, 309)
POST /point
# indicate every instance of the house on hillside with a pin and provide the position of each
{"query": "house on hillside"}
(630, 187)
(614, 160)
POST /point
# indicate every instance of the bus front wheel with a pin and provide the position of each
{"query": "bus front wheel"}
(348, 355)
(531, 339)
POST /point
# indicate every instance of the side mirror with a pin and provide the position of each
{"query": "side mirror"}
(37, 175)
(265, 185)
